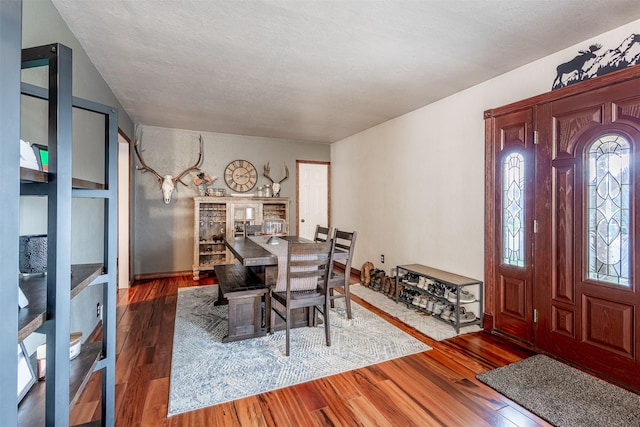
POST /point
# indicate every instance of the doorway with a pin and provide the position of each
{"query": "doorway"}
(313, 196)
(123, 211)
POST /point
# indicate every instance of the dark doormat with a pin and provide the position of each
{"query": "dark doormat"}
(564, 396)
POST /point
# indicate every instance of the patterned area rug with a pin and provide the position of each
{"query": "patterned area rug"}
(206, 372)
(424, 323)
(564, 396)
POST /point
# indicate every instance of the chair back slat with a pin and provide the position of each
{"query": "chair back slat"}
(322, 234)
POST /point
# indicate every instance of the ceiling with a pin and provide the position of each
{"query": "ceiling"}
(316, 71)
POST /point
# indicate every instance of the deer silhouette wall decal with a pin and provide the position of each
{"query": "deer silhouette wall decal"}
(576, 64)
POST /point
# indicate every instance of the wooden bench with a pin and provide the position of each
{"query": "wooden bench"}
(244, 292)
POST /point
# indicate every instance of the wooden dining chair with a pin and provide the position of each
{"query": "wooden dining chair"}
(308, 268)
(344, 245)
(322, 233)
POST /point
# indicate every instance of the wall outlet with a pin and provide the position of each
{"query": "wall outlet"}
(382, 259)
(99, 311)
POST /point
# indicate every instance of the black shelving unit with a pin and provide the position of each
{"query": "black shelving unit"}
(50, 296)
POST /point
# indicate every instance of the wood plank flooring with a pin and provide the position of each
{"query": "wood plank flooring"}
(433, 388)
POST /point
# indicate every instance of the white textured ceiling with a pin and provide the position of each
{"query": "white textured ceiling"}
(316, 70)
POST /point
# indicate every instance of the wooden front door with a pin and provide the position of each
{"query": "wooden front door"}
(570, 285)
(587, 295)
(514, 191)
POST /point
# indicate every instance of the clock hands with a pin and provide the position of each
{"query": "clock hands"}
(240, 175)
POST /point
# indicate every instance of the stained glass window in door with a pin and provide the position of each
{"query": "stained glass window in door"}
(608, 213)
(513, 197)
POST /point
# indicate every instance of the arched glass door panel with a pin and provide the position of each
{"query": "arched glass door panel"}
(608, 210)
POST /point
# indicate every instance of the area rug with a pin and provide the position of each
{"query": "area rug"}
(205, 371)
(421, 321)
(564, 396)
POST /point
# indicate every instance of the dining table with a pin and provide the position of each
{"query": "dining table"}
(268, 261)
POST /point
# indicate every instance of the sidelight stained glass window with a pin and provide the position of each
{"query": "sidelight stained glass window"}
(608, 213)
(513, 197)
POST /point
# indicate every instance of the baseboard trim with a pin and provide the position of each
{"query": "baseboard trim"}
(151, 276)
(487, 322)
(96, 334)
(355, 274)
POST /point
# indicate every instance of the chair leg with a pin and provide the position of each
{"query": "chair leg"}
(272, 317)
(311, 316)
(331, 294)
(327, 324)
(288, 327)
(347, 297)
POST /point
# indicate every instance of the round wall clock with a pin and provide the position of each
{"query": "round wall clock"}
(240, 175)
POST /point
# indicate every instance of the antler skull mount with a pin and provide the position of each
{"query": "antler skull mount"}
(276, 184)
(167, 182)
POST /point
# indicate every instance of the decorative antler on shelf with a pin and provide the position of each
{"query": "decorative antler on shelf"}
(276, 184)
(167, 182)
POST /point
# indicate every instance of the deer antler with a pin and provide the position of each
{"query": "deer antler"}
(195, 166)
(144, 166)
(286, 173)
(267, 171)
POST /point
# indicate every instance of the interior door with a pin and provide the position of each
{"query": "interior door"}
(313, 196)
(589, 308)
(514, 192)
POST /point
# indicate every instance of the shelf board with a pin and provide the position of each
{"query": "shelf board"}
(36, 176)
(87, 185)
(31, 409)
(32, 175)
(210, 266)
(33, 316)
(440, 275)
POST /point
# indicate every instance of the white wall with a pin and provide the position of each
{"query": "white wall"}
(413, 187)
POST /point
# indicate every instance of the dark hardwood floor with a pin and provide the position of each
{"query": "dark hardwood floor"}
(433, 388)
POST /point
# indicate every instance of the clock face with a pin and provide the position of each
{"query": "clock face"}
(240, 176)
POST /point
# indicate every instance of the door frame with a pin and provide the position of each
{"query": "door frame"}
(126, 227)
